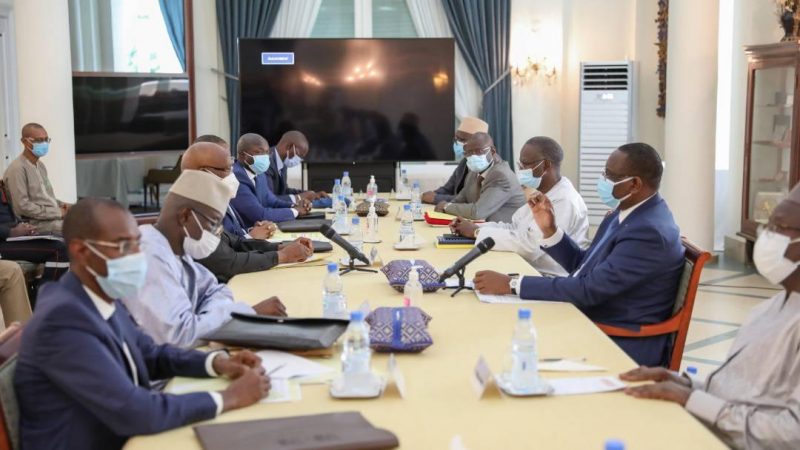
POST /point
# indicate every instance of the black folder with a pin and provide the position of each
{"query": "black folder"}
(284, 333)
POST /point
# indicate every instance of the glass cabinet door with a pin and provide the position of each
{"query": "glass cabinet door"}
(771, 140)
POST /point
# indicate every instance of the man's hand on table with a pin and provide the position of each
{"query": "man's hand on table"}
(270, 307)
(250, 387)
(668, 385)
(263, 230)
(492, 283)
(463, 227)
(235, 365)
(22, 229)
(296, 251)
(440, 207)
(429, 197)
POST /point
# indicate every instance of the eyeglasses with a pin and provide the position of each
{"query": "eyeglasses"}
(123, 246)
(455, 139)
(216, 227)
(482, 151)
(524, 165)
(613, 178)
(45, 140)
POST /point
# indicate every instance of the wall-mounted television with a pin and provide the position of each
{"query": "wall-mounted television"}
(357, 100)
(130, 112)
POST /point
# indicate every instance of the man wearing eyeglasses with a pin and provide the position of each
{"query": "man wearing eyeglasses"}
(182, 301)
(491, 191)
(28, 185)
(629, 275)
(290, 152)
(454, 184)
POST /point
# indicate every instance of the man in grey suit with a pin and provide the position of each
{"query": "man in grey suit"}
(491, 191)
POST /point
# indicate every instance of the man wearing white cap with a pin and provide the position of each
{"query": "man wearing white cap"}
(181, 301)
(446, 193)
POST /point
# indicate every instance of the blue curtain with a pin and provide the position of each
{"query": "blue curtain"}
(172, 10)
(482, 31)
(241, 19)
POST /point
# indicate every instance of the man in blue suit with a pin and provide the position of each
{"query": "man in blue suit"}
(629, 275)
(254, 200)
(290, 151)
(84, 368)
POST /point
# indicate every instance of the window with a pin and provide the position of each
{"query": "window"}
(363, 18)
(391, 18)
(336, 19)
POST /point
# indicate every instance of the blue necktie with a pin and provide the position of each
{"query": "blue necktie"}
(609, 231)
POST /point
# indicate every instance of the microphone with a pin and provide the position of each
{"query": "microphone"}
(481, 248)
(331, 234)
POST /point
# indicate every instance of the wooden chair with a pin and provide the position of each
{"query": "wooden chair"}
(156, 177)
(10, 340)
(146, 218)
(682, 311)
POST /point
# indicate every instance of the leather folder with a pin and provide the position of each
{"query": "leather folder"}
(302, 225)
(284, 333)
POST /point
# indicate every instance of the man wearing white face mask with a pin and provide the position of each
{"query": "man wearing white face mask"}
(539, 170)
(752, 401)
(290, 152)
(182, 301)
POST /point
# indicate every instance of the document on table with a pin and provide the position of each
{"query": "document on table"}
(567, 365)
(287, 365)
(316, 259)
(282, 390)
(590, 385)
(280, 236)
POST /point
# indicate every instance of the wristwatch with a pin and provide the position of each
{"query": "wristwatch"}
(513, 283)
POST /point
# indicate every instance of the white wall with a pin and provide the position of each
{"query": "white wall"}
(44, 72)
(212, 112)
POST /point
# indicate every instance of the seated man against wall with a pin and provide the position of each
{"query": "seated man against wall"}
(181, 301)
(234, 254)
(491, 191)
(254, 200)
(454, 184)
(752, 401)
(539, 170)
(27, 183)
(629, 275)
(290, 152)
(84, 368)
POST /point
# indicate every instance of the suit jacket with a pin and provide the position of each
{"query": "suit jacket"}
(235, 255)
(277, 179)
(8, 219)
(256, 202)
(631, 280)
(73, 382)
(233, 222)
(454, 184)
(495, 200)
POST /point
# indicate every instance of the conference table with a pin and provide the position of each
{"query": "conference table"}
(440, 409)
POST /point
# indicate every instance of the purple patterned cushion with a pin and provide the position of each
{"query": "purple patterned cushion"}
(403, 329)
(397, 273)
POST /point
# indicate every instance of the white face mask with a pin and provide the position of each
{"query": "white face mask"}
(294, 160)
(200, 248)
(233, 184)
(768, 255)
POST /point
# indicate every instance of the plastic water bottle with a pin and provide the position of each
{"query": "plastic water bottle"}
(372, 224)
(347, 186)
(412, 292)
(334, 304)
(614, 444)
(407, 227)
(337, 188)
(356, 237)
(340, 215)
(355, 350)
(372, 190)
(416, 201)
(524, 360)
(403, 181)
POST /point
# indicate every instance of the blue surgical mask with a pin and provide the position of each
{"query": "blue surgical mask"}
(126, 274)
(527, 179)
(477, 163)
(605, 189)
(40, 148)
(260, 163)
(458, 149)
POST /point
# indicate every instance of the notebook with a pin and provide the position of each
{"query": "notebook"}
(302, 225)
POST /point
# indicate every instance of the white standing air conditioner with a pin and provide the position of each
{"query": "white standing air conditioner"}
(606, 122)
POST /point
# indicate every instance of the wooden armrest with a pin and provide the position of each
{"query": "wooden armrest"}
(669, 326)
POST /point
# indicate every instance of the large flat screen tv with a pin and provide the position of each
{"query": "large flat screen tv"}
(355, 99)
(130, 113)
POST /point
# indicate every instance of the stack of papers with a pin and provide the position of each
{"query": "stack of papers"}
(592, 385)
(286, 365)
(281, 236)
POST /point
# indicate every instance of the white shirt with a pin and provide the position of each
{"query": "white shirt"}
(523, 235)
(106, 310)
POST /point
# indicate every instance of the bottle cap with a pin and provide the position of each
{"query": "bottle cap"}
(615, 444)
(357, 316)
(356, 221)
(337, 181)
(341, 197)
(416, 183)
(346, 174)
(524, 313)
(406, 302)
(691, 370)
(332, 267)
(407, 207)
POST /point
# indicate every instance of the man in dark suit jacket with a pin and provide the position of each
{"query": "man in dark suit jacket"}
(629, 275)
(454, 184)
(237, 252)
(290, 151)
(84, 368)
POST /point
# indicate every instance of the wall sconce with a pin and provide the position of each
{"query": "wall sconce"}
(532, 69)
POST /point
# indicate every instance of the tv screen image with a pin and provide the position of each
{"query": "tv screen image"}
(357, 100)
(130, 112)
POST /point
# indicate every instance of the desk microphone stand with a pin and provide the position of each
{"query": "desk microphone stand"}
(461, 283)
(352, 268)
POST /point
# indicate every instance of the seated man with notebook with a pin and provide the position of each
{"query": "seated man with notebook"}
(254, 200)
(235, 254)
(539, 169)
(84, 368)
(454, 184)
(182, 301)
(491, 190)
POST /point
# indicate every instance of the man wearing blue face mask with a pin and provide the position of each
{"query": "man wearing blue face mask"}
(290, 152)
(491, 191)
(28, 185)
(629, 275)
(254, 199)
(447, 192)
(84, 368)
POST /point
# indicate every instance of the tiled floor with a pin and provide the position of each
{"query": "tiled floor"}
(727, 293)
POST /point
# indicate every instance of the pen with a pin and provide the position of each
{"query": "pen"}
(279, 367)
(562, 359)
(513, 274)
